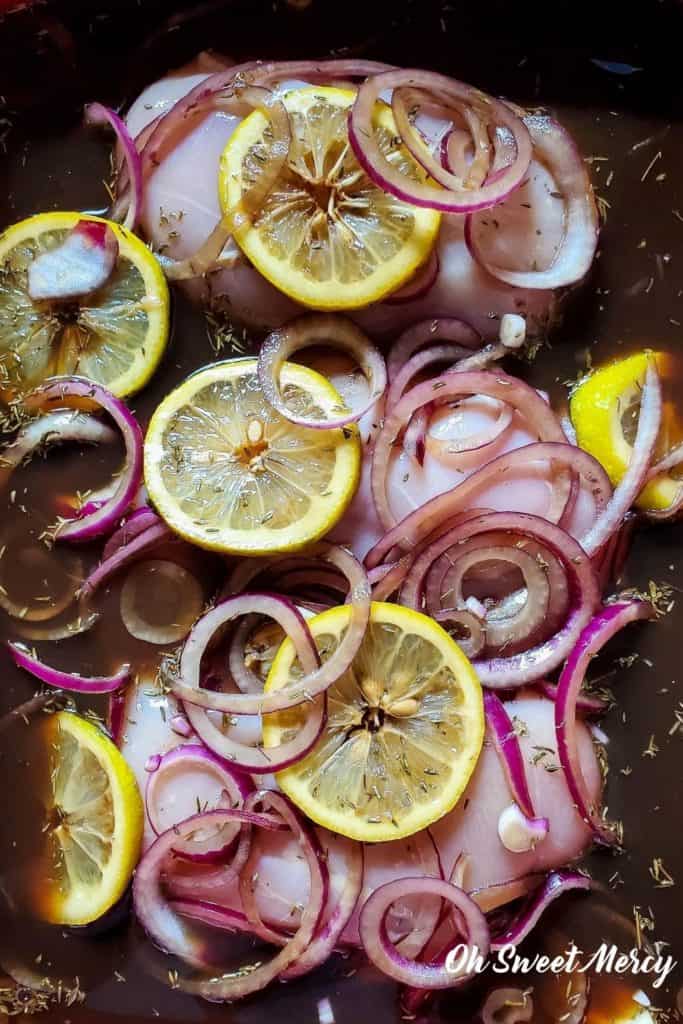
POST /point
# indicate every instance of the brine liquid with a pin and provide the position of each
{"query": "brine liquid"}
(634, 299)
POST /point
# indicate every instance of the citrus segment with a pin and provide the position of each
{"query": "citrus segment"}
(404, 729)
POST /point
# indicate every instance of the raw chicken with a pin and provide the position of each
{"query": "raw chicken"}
(471, 828)
(181, 208)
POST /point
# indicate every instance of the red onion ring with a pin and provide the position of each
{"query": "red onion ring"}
(236, 786)
(602, 628)
(336, 332)
(419, 524)
(169, 931)
(515, 393)
(455, 196)
(61, 392)
(426, 332)
(556, 884)
(464, 620)
(416, 364)
(51, 428)
(463, 454)
(385, 956)
(168, 576)
(124, 555)
(536, 662)
(509, 752)
(66, 680)
(631, 484)
(555, 148)
(98, 114)
(588, 705)
(315, 682)
(139, 520)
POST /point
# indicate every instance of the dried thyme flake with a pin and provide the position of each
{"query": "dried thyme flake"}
(662, 878)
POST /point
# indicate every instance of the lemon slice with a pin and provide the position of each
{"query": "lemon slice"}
(115, 336)
(326, 235)
(404, 729)
(228, 472)
(604, 412)
(93, 826)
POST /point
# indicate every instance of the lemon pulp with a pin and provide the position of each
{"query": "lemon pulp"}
(404, 729)
(604, 412)
(229, 473)
(116, 336)
(93, 827)
(326, 234)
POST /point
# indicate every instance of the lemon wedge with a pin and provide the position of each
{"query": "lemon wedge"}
(229, 473)
(404, 729)
(93, 827)
(604, 412)
(115, 336)
(326, 235)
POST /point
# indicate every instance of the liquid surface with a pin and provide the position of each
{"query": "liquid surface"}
(634, 298)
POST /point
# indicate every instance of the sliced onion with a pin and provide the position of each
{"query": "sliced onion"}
(315, 682)
(517, 1007)
(418, 363)
(52, 428)
(418, 525)
(585, 703)
(125, 555)
(184, 589)
(169, 931)
(188, 759)
(536, 662)
(631, 484)
(98, 114)
(462, 620)
(556, 884)
(67, 680)
(384, 955)
(62, 392)
(333, 331)
(509, 752)
(139, 520)
(427, 332)
(513, 392)
(554, 148)
(455, 196)
(462, 454)
(80, 265)
(602, 628)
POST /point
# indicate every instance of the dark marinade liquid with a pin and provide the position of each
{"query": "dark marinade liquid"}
(633, 299)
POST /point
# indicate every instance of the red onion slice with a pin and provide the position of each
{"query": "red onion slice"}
(333, 331)
(169, 931)
(98, 114)
(519, 833)
(536, 662)
(602, 628)
(52, 428)
(62, 391)
(455, 196)
(509, 751)
(139, 520)
(427, 332)
(419, 285)
(78, 266)
(554, 148)
(149, 538)
(462, 454)
(316, 681)
(169, 580)
(188, 760)
(509, 390)
(631, 484)
(384, 954)
(419, 524)
(67, 680)
(556, 884)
